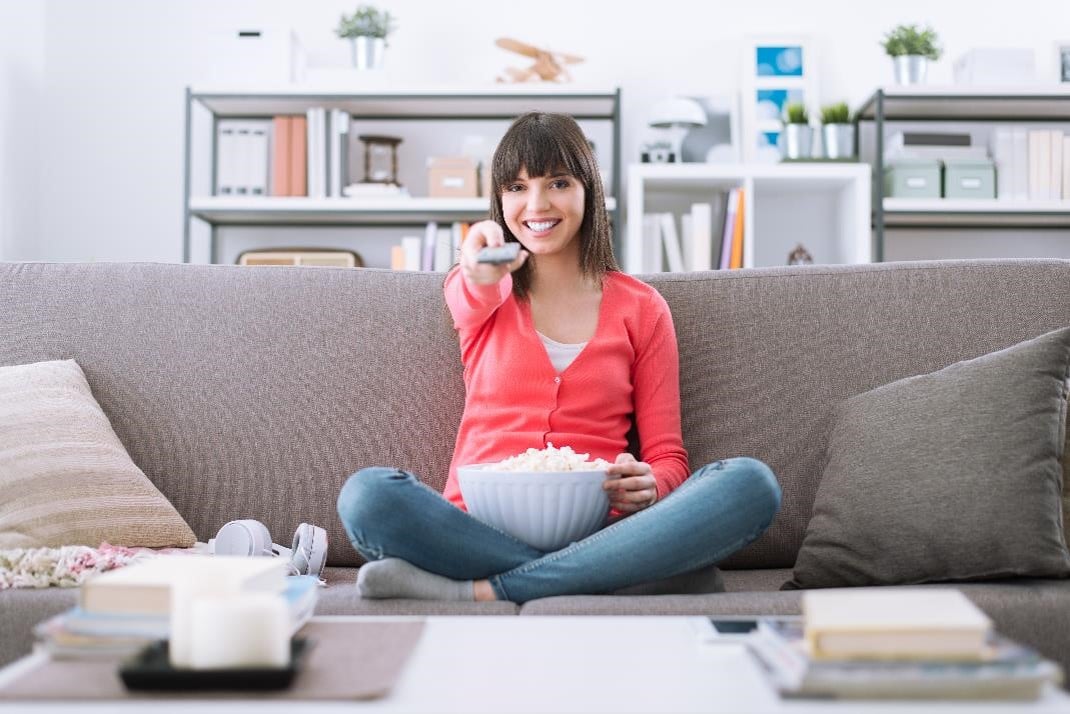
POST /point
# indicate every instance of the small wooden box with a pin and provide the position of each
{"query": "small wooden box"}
(452, 177)
(324, 258)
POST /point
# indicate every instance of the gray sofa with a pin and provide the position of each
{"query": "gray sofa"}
(255, 392)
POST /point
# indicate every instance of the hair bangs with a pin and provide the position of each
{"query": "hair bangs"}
(537, 149)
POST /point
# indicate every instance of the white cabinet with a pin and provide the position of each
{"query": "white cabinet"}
(825, 207)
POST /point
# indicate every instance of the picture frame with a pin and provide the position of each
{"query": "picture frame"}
(1062, 62)
(776, 69)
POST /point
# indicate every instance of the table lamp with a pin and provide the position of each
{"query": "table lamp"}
(677, 115)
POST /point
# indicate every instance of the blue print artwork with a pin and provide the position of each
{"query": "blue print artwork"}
(771, 102)
(779, 61)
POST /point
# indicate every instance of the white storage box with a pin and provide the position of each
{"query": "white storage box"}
(996, 66)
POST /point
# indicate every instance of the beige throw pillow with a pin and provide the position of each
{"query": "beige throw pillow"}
(65, 478)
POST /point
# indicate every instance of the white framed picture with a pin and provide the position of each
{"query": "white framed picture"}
(1062, 61)
(777, 69)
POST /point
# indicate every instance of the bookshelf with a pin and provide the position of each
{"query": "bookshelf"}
(824, 206)
(421, 115)
(975, 109)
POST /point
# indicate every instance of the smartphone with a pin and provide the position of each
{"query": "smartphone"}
(734, 626)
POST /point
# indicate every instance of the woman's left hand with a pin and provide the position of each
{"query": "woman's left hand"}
(630, 484)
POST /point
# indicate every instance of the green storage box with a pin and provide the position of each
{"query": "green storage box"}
(912, 178)
(970, 178)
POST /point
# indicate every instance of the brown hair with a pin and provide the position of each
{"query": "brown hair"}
(543, 144)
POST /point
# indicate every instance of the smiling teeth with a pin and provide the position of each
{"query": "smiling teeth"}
(540, 227)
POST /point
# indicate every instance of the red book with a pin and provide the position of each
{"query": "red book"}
(280, 156)
(299, 156)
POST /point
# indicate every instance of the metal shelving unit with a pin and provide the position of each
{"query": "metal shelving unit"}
(434, 104)
(1044, 104)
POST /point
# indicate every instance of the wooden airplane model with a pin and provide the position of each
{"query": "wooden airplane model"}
(548, 65)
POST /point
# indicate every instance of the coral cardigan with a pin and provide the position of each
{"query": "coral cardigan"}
(516, 400)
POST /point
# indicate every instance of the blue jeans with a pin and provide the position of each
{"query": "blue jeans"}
(389, 513)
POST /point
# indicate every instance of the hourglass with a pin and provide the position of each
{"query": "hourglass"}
(380, 158)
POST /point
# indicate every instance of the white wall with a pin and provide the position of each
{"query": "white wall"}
(114, 71)
(21, 85)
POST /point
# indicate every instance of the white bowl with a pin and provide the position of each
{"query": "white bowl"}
(546, 509)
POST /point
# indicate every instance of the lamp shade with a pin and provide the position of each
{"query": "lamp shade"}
(677, 112)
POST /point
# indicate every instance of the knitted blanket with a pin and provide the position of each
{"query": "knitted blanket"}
(68, 566)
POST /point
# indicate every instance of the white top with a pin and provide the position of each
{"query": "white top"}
(561, 355)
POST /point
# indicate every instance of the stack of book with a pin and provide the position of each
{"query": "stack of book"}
(896, 644)
(710, 238)
(120, 611)
(438, 249)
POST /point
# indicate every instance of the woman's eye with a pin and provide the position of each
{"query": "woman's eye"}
(560, 183)
(514, 187)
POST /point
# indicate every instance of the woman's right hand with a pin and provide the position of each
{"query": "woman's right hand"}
(480, 235)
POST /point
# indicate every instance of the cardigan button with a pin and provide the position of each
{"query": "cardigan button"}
(557, 380)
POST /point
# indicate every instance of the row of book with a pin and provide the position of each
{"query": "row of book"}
(925, 643)
(121, 611)
(710, 236)
(286, 155)
(438, 249)
(1031, 163)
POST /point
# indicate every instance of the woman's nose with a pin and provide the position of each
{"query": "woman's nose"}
(537, 199)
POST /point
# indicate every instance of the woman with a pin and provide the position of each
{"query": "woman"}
(558, 347)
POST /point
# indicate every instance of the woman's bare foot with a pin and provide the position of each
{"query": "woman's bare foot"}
(482, 591)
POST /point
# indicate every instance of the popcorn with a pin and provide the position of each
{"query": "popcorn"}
(550, 459)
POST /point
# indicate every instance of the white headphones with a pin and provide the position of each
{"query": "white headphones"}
(307, 555)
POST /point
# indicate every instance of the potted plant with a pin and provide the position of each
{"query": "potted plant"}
(911, 49)
(798, 134)
(837, 131)
(366, 29)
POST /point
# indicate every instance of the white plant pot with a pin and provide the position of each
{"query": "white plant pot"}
(798, 141)
(368, 52)
(910, 69)
(838, 140)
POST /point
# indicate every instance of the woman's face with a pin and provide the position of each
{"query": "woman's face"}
(544, 212)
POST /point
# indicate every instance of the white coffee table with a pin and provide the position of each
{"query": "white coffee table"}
(588, 664)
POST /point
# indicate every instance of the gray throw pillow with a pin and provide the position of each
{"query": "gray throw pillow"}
(953, 475)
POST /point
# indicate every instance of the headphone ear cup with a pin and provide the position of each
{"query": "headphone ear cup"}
(309, 549)
(243, 537)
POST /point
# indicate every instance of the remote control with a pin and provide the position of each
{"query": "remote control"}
(498, 255)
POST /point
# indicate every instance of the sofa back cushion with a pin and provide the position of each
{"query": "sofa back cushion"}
(767, 355)
(254, 392)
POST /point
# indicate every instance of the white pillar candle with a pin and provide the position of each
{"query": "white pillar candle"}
(183, 592)
(249, 629)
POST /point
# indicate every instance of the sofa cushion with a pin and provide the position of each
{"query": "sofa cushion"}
(953, 475)
(65, 478)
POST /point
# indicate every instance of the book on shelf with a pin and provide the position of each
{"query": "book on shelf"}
(674, 257)
(735, 260)
(298, 162)
(1055, 186)
(900, 623)
(145, 587)
(701, 236)
(1007, 670)
(79, 633)
(242, 154)
(1066, 166)
(281, 152)
(728, 229)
